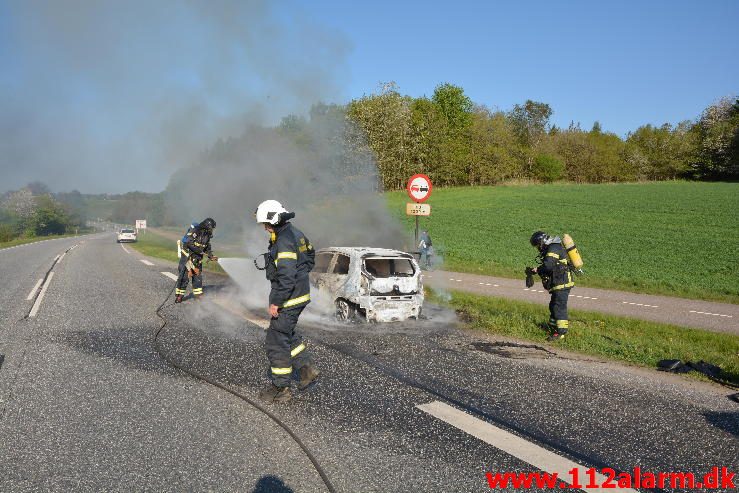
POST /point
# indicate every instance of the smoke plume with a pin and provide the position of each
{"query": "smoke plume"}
(114, 96)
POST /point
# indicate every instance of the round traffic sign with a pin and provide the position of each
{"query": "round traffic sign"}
(419, 187)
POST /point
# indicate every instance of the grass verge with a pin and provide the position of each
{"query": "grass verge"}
(670, 238)
(157, 246)
(35, 239)
(618, 338)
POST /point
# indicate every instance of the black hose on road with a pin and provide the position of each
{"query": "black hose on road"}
(241, 396)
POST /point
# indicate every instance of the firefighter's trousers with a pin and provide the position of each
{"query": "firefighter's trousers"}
(558, 321)
(285, 347)
(183, 278)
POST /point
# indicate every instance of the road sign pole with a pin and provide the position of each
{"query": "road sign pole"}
(416, 243)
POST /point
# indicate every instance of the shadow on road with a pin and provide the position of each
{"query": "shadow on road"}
(727, 421)
(271, 484)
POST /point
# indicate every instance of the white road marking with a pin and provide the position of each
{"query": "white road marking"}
(509, 443)
(33, 291)
(637, 304)
(146, 262)
(482, 283)
(712, 314)
(125, 249)
(170, 275)
(37, 304)
(62, 256)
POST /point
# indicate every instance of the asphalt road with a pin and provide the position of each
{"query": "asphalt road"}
(713, 316)
(87, 404)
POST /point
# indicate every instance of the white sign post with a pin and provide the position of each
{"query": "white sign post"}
(419, 189)
(140, 224)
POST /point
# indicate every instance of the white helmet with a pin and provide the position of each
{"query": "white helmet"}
(269, 212)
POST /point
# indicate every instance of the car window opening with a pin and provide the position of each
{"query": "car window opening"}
(342, 265)
(322, 262)
(389, 267)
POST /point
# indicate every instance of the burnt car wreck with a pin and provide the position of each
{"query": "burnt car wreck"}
(378, 284)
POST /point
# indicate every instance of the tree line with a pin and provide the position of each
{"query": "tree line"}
(34, 211)
(457, 142)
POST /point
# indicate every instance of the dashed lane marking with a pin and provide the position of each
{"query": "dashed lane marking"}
(146, 262)
(509, 443)
(37, 304)
(712, 314)
(639, 304)
(125, 249)
(170, 275)
(33, 291)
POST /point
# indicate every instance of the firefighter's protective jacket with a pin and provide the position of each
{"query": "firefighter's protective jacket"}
(197, 243)
(293, 257)
(554, 270)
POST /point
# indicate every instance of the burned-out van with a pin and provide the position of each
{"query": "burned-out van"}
(379, 284)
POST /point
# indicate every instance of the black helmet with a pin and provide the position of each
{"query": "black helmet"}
(208, 223)
(538, 238)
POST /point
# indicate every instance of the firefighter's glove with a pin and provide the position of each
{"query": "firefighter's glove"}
(529, 277)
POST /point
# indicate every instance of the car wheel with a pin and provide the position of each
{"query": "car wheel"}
(345, 311)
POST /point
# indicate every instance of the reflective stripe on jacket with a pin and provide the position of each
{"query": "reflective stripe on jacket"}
(294, 258)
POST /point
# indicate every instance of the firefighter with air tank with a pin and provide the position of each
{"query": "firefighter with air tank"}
(558, 259)
(287, 264)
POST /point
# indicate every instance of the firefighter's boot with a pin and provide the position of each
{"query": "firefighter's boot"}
(308, 375)
(178, 298)
(275, 394)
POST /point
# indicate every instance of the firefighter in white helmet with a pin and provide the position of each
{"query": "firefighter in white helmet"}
(288, 263)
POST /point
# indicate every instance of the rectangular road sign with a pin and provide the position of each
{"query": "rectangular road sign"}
(417, 209)
(140, 223)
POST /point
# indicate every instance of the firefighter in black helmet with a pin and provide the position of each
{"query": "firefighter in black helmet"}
(195, 246)
(289, 261)
(556, 277)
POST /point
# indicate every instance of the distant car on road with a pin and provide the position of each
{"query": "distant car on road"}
(126, 236)
(380, 284)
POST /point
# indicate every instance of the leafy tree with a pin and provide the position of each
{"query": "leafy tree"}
(531, 121)
(547, 168)
(454, 105)
(49, 218)
(21, 203)
(717, 132)
(661, 153)
(38, 188)
(494, 151)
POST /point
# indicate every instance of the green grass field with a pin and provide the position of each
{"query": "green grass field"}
(674, 238)
(617, 338)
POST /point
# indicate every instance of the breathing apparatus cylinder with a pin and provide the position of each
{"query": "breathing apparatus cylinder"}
(572, 253)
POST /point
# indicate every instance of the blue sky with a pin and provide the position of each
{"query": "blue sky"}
(115, 96)
(624, 63)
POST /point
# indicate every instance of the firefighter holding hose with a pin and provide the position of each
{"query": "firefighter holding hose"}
(195, 245)
(287, 264)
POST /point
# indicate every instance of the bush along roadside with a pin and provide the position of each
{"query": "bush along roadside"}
(617, 338)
